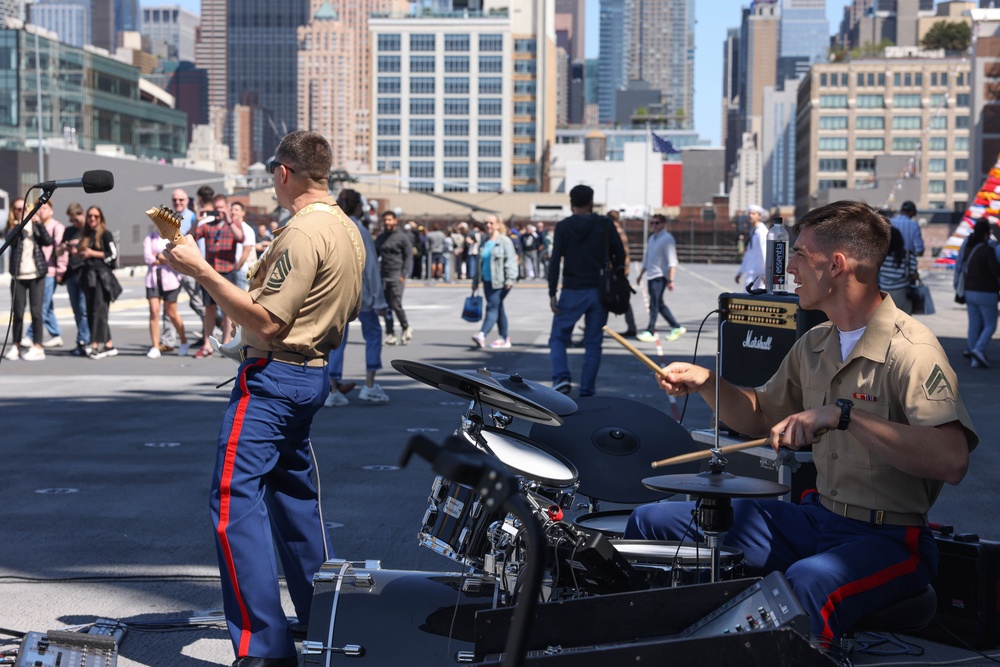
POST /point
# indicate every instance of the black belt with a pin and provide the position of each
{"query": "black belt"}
(874, 517)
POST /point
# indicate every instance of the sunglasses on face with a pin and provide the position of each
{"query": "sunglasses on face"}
(274, 164)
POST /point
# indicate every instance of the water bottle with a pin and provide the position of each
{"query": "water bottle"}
(777, 258)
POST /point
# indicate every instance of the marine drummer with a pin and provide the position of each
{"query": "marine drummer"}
(873, 393)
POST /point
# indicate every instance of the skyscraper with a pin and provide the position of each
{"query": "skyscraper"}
(804, 37)
(69, 20)
(128, 16)
(173, 25)
(611, 73)
(660, 51)
(210, 50)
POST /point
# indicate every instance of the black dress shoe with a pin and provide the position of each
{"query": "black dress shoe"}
(298, 629)
(628, 334)
(250, 661)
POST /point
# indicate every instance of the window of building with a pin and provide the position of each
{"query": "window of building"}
(456, 106)
(421, 148)
(388, 85)
(939, 100)
(389, 64)
(490, 42)
(961, 185)
(490, 106)
(454, 127)
(421, 42)
(422, 64)
(456, 63)
(524, 66)
(456, 169)
(860, 81)
(456, 187)
(937, 164)
(490, 127)
(388, 127)
(490, 85)
(422, 85)
(524, 46)
(827, 183)
(490, 169)
(864, 164)
(524, 87)
(833, 101)
(833, 143)
(456, 85)
(524, 170)
(823, 79)
(961, 164)
(937, 143)
(421, 106)
(962, 100)
(388, 42)
(961, 122)
(936, 187)
(524, 150)
(421, 169)
(961, 143)
(387, 165)
(490, 64)
(524, 108)
(489, 186)
(421, 186)
(524, 129)
(420, 127)
(388, 106)
(456, 148)
(833, 164)
(905, 143)
(867, 144)
(869, 123)
(387, 148)
(490, 149)
(870, 101)
(939, 123)
(833, 122)
(456, 42)
(907, 101)
(906, 122)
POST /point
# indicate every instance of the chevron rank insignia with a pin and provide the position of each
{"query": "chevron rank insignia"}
(281, 269)
(937, 387)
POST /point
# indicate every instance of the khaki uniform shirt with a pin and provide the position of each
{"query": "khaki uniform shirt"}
(310, 278)
(898, 371)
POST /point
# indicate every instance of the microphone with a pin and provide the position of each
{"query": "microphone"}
(98, 180)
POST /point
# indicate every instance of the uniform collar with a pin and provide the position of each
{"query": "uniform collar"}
(874, 342)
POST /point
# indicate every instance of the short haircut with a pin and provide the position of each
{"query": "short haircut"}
(581, 196)
(908, 207)
(659, 217)
(386, 214)
(350, 201)
(851, 227)
(308, 153)
(220, 197)
(238, 203)
(205, 193)
(74, 209)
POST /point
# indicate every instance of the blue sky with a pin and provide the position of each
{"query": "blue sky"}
(710, 32)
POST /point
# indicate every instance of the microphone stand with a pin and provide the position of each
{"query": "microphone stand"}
(42, 199)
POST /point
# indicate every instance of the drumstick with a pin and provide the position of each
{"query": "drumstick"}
(708, 453)
(631, 348)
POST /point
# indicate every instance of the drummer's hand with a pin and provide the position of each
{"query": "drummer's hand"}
(681, 378)
(804, 428)
(553, 304)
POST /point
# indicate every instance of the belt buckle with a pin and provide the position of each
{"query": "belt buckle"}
(879, 517)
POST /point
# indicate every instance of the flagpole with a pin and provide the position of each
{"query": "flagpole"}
(645, 193)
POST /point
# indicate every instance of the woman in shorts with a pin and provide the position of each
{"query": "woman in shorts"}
(162, 284)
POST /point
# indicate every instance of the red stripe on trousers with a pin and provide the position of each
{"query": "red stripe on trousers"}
(873, 580)
(225, 485)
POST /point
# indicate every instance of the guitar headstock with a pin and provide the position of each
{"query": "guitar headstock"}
(168, 224)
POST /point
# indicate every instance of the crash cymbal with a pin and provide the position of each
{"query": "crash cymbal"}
(716, 485)
(480, 386)
(544, 395)
(612, 442)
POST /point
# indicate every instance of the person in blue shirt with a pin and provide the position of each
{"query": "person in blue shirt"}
(913, 241)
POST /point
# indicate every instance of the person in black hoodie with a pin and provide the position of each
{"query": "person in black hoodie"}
(395, 253)
(580, 245)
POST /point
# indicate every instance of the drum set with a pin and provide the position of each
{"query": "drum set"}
(567, 459)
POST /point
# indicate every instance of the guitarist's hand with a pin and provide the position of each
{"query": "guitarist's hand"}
(187, 259)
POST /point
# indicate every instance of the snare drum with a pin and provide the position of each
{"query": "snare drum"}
(679, 563)
(549, 474)
(610, 523)
(456, 523)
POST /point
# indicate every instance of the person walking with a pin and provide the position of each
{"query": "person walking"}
(498, 269)
(28, 269)
(163, 285)
(752, 267)
(395, 252)
(898, 272)
(580, 246)
(913, 239)
(978, 259)
(659, 267)
(630, 330)
(263, 500)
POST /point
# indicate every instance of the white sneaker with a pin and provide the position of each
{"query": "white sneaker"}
(110, 351)
(13, 354)
(33, 354)
(390, 340)
(54, 342)
(26, 342)
(182, 350)
(646, 337)
(373, 394)
(154, 353)
(407, 335)
(479, 339)
(335, 400)
(676, 333)
(500, 344)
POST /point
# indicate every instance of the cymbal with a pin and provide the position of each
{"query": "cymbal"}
(481, 386)
(559, 403)
(612, 442)
(716, 485)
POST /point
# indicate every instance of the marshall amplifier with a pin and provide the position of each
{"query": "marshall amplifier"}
(757, 331)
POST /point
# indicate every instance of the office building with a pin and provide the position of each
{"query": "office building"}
(174, 26)
(69, 20)
(985, 141)
(128, 16)
(210, 50)
(611, 72)
(465, 103)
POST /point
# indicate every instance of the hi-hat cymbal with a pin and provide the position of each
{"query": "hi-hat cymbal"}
(484, 387)
(612, 442)
(716, 485)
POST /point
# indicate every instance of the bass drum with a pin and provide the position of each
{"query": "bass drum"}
(363, 614)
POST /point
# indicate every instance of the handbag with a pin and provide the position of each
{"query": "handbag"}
(920, 296)
(473, 309)
(613, 286)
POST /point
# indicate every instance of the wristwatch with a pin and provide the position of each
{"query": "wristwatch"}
(845, 413)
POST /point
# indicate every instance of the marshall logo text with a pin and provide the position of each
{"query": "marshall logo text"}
(757, 343)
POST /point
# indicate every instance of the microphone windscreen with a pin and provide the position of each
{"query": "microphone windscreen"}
(98, 180)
